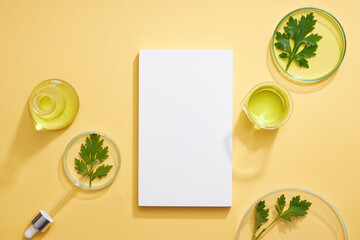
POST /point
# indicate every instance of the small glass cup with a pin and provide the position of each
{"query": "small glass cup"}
(268, 105)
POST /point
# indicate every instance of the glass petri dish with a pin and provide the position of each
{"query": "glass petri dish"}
(72, 151)
(330, 52)
(323, 221)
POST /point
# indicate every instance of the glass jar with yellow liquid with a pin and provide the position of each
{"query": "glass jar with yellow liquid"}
(53, 104)
(268, 105)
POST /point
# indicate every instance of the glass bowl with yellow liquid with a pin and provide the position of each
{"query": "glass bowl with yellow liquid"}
(329, 54)
(53, 104)
(268, 105)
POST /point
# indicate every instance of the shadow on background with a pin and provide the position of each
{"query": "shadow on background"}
(26, 142)
(254, 150)
(291, 84)
(161, 212)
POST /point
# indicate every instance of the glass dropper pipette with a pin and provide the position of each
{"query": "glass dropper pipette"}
(42, 220)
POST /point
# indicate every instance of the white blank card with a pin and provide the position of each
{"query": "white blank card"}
(185, 128)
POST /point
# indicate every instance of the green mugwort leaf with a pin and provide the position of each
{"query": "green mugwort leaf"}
(91, 153)
(102, 154)
(299, 32)
(303, 62)
(85, 154)
(284, 55)
(312, 39)
(283, 42)
(261, 214)
(296, 208)
(81, 167)
(280, 204)
(306, 52)
(102, 171)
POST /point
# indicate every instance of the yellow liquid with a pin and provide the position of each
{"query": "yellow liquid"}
(331, 48)
(45, 103)
(268, 106)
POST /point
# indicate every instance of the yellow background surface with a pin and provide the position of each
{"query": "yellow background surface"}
(94, 46)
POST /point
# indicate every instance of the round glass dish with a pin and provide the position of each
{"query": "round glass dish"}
(72, 151)
(329, 54)
(323, 221)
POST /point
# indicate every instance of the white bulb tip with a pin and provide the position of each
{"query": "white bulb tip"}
(30, 232)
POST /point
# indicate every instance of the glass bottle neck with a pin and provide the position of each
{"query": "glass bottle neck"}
(48, 103)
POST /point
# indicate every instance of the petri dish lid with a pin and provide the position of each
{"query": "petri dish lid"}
(323, 221)
(72, 151)
(329, 54)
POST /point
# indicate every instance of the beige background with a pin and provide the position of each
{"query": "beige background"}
(94, 45)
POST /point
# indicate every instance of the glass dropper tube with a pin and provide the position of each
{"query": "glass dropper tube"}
(43, 219)
(71, 189)
(65, 195)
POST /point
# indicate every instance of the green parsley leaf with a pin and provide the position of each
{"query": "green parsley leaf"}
(298, 31)
(81, 167)
(102, 171)
(280, 204)
(297, 208)
(85, 154)
(102, 154)
(92, 153)
(284, 43)
(312, 39)
(261, 214)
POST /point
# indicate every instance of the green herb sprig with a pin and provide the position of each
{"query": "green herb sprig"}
(298, 31)
(91, 154)
(296, 208)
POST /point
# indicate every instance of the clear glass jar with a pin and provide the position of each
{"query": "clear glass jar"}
(268, 105)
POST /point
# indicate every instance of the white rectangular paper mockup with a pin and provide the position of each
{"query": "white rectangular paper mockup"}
(185, 128)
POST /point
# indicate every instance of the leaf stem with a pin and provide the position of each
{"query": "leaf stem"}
(266, 228)
(90, 171)
(253, 237)
(292, 55)
(288, 64)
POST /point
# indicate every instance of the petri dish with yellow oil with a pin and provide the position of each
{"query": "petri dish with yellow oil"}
(329, 54)
(322, 221)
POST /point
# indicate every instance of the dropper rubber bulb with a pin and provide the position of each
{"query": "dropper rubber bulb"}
(30, 232)
(43, 219)
(39, 223)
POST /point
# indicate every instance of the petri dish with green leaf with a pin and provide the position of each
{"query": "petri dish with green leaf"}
(312, 40)
(304, 215)
(91, 160)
